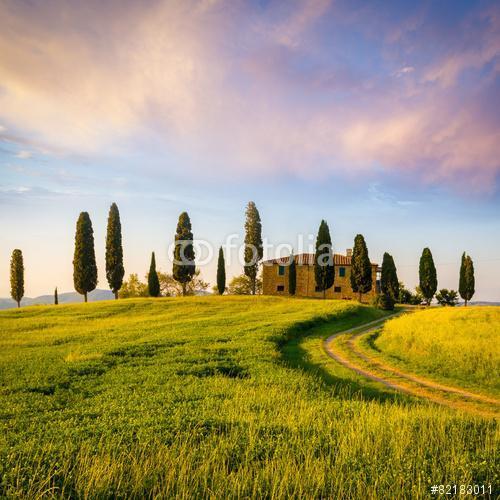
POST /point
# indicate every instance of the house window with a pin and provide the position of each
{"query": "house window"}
(280, 288)
(337, 289)
(341, 272)
(318, 289)
(281, 270)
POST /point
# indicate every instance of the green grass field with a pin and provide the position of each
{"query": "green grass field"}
(215, 397)
(458, 345)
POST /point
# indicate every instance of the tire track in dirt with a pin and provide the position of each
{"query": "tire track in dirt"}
(409, 383)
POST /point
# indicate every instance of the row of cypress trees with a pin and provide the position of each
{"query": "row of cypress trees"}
(428, 277)
(84, 262)
(361, 271)
(324, 269)
(389, 282)
(85, 267)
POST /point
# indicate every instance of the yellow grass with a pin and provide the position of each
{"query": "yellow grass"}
(460, 344)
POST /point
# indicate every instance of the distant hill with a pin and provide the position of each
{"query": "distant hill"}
(481, 303)
(64, 298)
(485, 303)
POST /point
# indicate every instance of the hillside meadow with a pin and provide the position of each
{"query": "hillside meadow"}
(211, 398)
(459, 345)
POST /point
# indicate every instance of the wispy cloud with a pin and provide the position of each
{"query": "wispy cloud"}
(404, 71)
(11, 195)
(23, 155)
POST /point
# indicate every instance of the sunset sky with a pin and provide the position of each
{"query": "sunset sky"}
(381, 117)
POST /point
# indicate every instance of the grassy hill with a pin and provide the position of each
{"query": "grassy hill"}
(215, 396)
(459, 345)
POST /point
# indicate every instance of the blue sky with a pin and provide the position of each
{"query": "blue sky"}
(381, 118)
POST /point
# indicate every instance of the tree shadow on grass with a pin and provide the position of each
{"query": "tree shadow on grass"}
(294, 355)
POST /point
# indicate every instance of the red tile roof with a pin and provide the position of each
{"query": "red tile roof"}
(307, 259)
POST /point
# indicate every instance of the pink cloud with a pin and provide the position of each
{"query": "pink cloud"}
(226, 85)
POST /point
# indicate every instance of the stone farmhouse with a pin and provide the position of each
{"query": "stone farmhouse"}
(275, 278)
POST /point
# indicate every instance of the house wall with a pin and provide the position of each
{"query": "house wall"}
(306, 283)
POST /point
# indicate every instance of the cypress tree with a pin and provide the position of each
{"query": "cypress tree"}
(221, 272)
(427, 275)
(84, 265)
(17, 276)
(153, 281)
(184, 267)
(324, 270)
(389, 283)
(114, 251)
(292, 276)
(467, 281)
(253, 243)
(56, 297)
(361, 269)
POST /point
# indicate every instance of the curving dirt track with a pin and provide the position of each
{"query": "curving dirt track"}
(342, 347)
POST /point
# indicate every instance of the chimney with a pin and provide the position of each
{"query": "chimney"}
(348, 252)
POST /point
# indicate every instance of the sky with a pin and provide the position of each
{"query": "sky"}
(380, 117)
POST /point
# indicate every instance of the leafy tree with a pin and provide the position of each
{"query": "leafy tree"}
(407, 297)
(389, 283)
(114, 251)
(324, 270)
(467, 281)
(404, 294)
(253, 244)
(84, 265)
(292, 276)
(361, 269)
(17, 276)
(133, 287)
(221, 273)
(243, 285)
(447, 297)
(169, 287)
(427, 275)
(184, 267)
(417, 297)
(56, 297)
(153, 281)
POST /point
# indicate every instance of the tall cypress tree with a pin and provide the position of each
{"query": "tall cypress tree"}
(114, 251)
(84, 265)
(389, 283)
(292, 276)
(427, 275)
(153, 281)
(324, 270)
(467, 280)
(56, 297)
(184, 267)
(361, 269)
(17, 276)
(253, 243)
(221, 272)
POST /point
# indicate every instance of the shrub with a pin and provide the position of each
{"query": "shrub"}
(385, 302)
(447, 297)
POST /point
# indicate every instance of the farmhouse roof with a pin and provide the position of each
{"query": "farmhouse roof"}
(307, 259)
